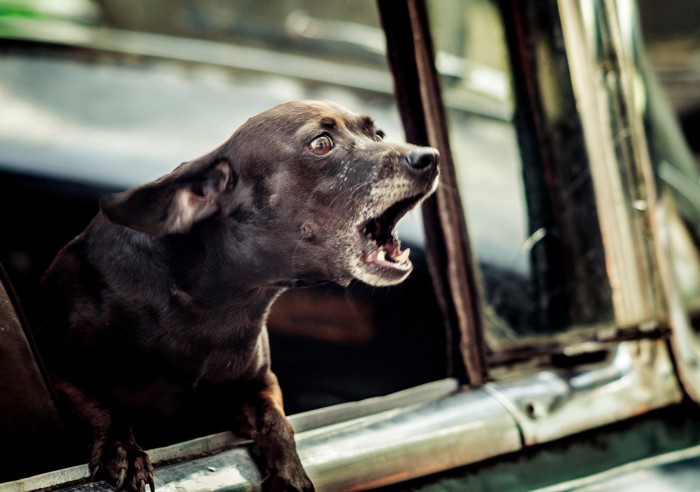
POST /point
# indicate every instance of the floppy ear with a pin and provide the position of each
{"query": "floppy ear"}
(175, 202)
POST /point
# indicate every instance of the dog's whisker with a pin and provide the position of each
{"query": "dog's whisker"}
(351, 191)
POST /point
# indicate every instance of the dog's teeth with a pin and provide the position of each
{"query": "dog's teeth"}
(381, 255)
(403, 257)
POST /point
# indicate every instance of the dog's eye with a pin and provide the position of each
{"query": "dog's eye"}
(380, 135)
(321, 145)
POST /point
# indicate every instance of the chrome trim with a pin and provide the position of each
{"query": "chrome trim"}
(555, 403)
(685, 344)
(422, 430)
(409, 442)
(638, 219)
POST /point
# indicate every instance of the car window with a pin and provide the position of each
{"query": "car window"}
(100, 96)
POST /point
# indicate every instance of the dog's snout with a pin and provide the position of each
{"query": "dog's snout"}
(423, 159)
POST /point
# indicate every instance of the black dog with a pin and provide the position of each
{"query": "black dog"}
(159, 306)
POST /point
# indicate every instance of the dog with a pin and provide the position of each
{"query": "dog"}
(158, 307)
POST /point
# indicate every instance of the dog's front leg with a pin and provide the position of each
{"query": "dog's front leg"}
(264, 420)
(115, 455)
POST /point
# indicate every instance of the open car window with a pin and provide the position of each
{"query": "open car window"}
(103, 96)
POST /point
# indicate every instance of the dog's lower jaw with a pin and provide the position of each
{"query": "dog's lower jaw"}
(373, 264)
(364, 273)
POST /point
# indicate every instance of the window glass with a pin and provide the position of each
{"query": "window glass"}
(531, 213)
(534, 225)
(473, 63)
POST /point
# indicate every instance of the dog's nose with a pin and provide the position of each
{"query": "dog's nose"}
(423, 159)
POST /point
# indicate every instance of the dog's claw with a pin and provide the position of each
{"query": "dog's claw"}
(127, 467)
(121, 479)
(149, 482)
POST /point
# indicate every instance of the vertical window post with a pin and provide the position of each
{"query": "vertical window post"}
(411, 58)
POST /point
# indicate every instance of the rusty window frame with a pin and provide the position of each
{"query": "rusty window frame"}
(411, 59)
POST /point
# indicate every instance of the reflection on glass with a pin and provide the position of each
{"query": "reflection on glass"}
(527, 188)
(551, 165)
(472, 60)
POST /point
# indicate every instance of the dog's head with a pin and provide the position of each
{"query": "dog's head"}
(304, 191)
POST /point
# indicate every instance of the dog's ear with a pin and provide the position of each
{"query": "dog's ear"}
(175, 202)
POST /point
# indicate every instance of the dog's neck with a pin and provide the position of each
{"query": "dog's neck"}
(231, 282)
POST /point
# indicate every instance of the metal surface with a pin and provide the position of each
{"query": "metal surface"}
(640, 217)
(684, 339)
(422, 430)
(598, 40)
(358, 445)
(409, 442)
(552, 404)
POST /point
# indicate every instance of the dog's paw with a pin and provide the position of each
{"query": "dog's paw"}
(129, 468)
(295, 482)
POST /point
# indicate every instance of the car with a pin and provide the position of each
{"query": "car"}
(547, 336)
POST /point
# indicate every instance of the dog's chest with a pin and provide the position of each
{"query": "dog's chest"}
(218, 357)
(177, 383)
(223, 366)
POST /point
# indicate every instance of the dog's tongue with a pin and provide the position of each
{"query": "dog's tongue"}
(394, 253)
(390, 253)
(384, 246)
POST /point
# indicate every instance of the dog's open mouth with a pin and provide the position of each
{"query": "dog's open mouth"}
(381, 246)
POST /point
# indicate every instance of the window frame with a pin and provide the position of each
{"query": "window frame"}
(411, 54)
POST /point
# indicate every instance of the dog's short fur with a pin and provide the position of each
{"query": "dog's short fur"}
(158, 308)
